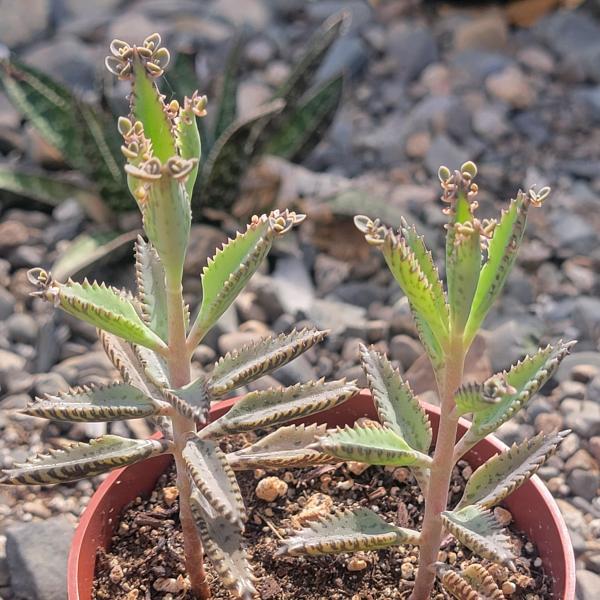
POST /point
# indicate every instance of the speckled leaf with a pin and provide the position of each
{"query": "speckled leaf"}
(103, 307)
(239, 367)
(151, 286)
(397, 406)
(154, 367)
(348, 531)
(371, 445)
(502, 474)
(83, 460)
(227, 273)
(478, 530)
(223, 544)
(501, 254)
(264, 408)
(113, 402)
(472, 398)
(474, 583)
(286, 448)
(213, 476)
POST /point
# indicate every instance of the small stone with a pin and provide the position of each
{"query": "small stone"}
(22, 328)
(357, 468)
(171, 585)
(503, 516)
(23, 22)
(407, 569)
(512, 86)
(50, 383)
(548, 422)
(37, 508)
(356, 564)
(405, 349)
(116, 574)
(588, 584)
(170, 493)
(584, 483)
(584, 373)
(508, 588)
(417, 144)
(271, 488)
(488, 32)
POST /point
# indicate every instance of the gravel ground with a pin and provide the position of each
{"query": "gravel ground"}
(427, 86)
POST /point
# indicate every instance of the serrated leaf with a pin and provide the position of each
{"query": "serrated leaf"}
(214, 478)
(477, 529)
(286, 448)
(349, 531)
(526, 377)
(371, 445)
(301, 130)
(501, 253)
(502, 474)
(270, 407)
(103, 307)
(249, 362)
(147, 106)
(51, 190)
(227, 273)
(412, 271)
(397, 407)
(113, 402)
(228, 160)
(83, 460)
(154, 366)
(472, 398)
(223, 544)
(192, 401)
(151, 286)
(88, 251)
(474, 583)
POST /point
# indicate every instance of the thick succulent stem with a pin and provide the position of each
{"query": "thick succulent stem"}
(179, 371)
(436, 499)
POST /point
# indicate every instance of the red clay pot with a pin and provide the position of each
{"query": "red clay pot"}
(533, 508)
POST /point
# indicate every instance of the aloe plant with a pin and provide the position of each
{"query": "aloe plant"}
(479, 256)
(149, 338)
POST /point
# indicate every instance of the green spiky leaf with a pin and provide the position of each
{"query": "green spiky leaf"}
(228, 272)
(371, 445)
(212, 475)
(397, 407)
(286, 448)
(349, 531)
(501, 253)
(191, 400)
(249, 362)
(270, 407)
(502, 474)
(83, 460)
(114, 402)
(478, 530)
(473, 398)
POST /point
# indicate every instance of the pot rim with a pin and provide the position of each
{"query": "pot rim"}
(557, 521)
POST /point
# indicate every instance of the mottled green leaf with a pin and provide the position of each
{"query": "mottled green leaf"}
(371, 445)
(113, 402)
(478, 530)
(397, 407)
(249, 362)
(473, 398)
(270, 407)
(83, 460)
(285, 448)
(191, 400)
(348, 531)
(502, 474)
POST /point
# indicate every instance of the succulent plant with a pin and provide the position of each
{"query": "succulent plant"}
(149, 339)
(479, 256)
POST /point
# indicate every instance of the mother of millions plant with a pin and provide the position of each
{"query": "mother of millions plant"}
(479, 256)
(149, 339)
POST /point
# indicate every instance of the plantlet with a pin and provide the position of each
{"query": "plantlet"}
(479, 256)
(149, 339)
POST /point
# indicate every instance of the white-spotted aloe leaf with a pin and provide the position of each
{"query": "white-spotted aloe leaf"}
(151, 286)
(477, 529)
(192, 397)
(214, 478)
(397, 407)
(264, 408)
(502, 474)
(371, 445)
(114, 402)
(525, 378)
(348, 531)
(501, 253)
(83, 460)
(249, 362)
(473, 583)
(223, 544)
(99, 305)
(228, 272)
(286, 448)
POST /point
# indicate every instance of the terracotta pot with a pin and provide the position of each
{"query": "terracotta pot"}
(533, 508)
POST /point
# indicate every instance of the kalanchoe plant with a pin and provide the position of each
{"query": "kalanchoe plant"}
(149, 339)
(479, 256)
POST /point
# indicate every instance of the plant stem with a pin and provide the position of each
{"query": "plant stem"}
(436, 499)
(179, 372)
